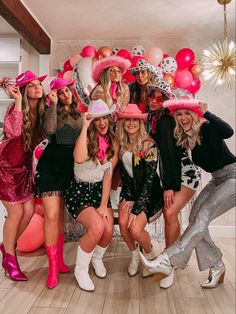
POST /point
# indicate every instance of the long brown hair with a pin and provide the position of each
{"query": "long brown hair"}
(93, 146)
(73, 111)
(32, 125)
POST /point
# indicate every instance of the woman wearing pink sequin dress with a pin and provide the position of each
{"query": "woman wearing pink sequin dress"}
(22, 132)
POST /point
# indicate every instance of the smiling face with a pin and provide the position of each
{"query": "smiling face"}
(131, 126)
(101, 125)
(155, 100)
(115, 74)
(184, 118)
(34, 90)
(65, 95)
(141, 77)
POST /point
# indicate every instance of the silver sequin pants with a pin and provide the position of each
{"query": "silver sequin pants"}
(217, 197)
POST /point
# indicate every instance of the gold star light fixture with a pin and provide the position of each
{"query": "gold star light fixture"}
(218, 61)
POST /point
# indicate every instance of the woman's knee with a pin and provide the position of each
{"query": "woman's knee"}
(170, 216)
(96, 230)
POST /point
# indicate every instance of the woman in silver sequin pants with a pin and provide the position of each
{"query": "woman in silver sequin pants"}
(215, 199)
(205, 138)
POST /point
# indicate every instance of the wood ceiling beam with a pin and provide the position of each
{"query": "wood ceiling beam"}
(22, 21)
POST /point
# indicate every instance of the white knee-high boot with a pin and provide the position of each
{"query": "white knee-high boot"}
(82, 268)
(97, 261)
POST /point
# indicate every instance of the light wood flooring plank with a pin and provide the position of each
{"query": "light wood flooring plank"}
(46, 310)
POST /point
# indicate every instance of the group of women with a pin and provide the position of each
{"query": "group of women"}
(139, 130)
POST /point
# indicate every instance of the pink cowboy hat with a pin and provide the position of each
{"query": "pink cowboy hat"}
(132, 112)
(184, 102)
(28, 76)
(100, 65)
(98, 108)
(59, 83)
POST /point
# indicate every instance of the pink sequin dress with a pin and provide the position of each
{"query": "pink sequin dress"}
(16, 180)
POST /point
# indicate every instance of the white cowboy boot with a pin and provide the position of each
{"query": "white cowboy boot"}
(133, 266)
(160, 266)
(168, 281)
(216, 276)
(97, 261)
(150, 256)
(82, 268)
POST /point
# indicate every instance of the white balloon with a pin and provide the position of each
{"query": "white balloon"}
(169, 65)
(115, 50)
(84, 82)
(137, 50)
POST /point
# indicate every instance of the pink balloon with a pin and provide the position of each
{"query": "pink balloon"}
(89, 51)
(74, 59)
(128, 77)
(195, 85)
(165, 55)
(67, 66)
(33, 236)
(184, 58)
(153, 55)
(60, 74)
(183, 78)
(68, 76)
(124, 54)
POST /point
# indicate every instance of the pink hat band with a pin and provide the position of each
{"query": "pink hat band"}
(59, 83)
(185, 102)
(27, 77)
(132, 112)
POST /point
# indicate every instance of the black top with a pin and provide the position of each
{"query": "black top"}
(170, 153)
(213, 154)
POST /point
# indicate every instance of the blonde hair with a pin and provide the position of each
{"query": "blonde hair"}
(182, 137)
(123, 140)
(105, 82)
(93, 146)
(32, 125)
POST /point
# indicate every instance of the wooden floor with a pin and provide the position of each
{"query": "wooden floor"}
(118, 293)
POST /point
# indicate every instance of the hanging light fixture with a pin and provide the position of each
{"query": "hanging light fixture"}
(218, 61)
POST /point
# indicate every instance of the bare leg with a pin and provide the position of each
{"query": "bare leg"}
(123, 222)
(108, 231)
(140, 235)
(28, 208)
(51, 206)
(94, 225)
(172, 224)
(11, 225)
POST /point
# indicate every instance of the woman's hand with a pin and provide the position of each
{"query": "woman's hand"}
(131, 220)
(128, 205)
(53, 97)
(87, 119)
(103, 211)
(169, 198)
(203, 107)
(14, 92)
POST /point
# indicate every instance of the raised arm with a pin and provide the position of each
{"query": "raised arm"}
(50, 115)
(81, 150)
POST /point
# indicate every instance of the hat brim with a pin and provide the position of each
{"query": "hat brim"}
(142, 116)
(40, 78)
(71, 84)
(175, 104)
(104, 113)
(139, 68)
(152, 87)
(99, 65)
